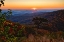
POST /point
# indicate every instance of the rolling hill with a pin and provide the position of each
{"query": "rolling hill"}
(27, 18)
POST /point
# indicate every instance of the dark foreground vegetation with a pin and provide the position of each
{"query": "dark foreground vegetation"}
(42, 30)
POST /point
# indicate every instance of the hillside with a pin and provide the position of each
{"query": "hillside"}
(55, 19)
(27, 18)
(49, 31)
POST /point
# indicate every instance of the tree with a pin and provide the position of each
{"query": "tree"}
(1, 15)
(2, 2)
(38, 21)
(4, 15)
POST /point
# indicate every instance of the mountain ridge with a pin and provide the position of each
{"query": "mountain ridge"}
(27, 18)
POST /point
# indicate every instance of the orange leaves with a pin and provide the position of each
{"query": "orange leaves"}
(19, 27)
(2, 29)
(3, 38)
(11, 31)
(8, 23)
(49, 24)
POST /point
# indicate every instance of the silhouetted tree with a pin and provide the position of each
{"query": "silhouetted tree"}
(38, 21)
(4, 15)
(2, 2)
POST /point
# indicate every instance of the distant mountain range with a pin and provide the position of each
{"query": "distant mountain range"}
(21, 12)
(27, 17)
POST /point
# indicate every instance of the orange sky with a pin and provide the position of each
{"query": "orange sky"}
(29, 4)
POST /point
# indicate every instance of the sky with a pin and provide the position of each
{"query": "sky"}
(32, 4)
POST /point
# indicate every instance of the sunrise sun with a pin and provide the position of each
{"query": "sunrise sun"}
(34, 8)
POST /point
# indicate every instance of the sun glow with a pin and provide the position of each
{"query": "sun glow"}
(34, 8)
(33, 4)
